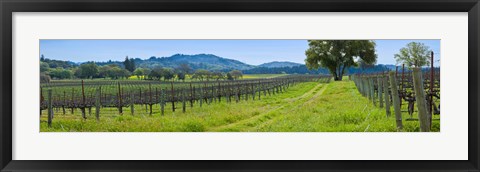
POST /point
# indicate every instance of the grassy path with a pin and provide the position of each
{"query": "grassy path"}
(251, 123)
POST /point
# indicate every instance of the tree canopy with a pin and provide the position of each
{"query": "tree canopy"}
(415, 54)
(338, 55)
(129, 64)
(201, 74)
(87, 70)
(236, 74)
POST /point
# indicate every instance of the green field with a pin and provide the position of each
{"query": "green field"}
(306, 107)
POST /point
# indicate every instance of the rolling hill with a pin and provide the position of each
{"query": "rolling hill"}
(276, 64)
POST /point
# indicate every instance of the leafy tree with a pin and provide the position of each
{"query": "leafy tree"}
(339, 55)
(42, 58)
(181, 76)
(168, 74)
(139, 72)
(60, 73)
(129, 64)
(156, 73)
(217, 75)
(229, 76)
(132, 65)
(201, 74)
(126, 63)
(58, 63)
(415, 54)
(87, 70)
(146, 72)
(236, 74)
(185, 68)
(44, 67)
(103, 71)
(115, 72)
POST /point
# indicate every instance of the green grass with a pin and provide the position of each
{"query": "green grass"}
(306, 107)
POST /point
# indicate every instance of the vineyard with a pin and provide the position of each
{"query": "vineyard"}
(62, 97)
(403, 90)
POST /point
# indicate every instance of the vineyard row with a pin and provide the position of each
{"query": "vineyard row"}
(417, 87)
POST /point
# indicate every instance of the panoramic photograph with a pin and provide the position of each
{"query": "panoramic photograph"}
(116, 85)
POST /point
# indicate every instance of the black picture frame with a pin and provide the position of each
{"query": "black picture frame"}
(9, 6)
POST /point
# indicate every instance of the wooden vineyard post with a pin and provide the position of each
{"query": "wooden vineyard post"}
(402, 84)
(432, 82)
(212, 94)
(194, 95)
(219, 92)
(140, 97)
(41, 100)
(83, 101)
(387, 95)
(207, 94)
(268, 88)
(173, 97)
(372, 91)
(50, 109)
(360, 85)
(403, 78)
(281, 86)
(184, 105)
(162, 101)
(227, 93)
(97, 104)
(191, 95)
(277, 90)
(253, 92)
(73, 100)
(145, 101)
(120, 109)
(380, 91)
(64, 101)
(156, 97)
(420, 98)
(367, 88)
(396, 101)
(132, 104)
(150, 103)
(236, 94)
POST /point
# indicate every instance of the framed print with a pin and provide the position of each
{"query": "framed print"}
(267, 85)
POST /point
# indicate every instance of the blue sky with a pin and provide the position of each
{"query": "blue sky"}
(253, 52)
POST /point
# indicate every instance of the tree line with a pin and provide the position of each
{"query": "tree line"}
(56, 69)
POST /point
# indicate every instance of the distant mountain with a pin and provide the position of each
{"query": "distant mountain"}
(388, 66)
(277, 64)
(197, 61)
(215, 63)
